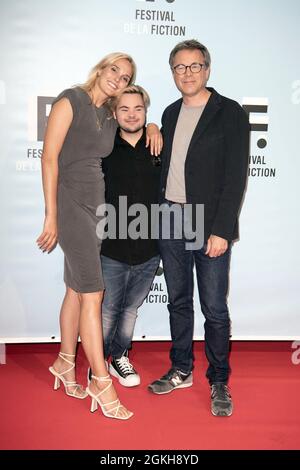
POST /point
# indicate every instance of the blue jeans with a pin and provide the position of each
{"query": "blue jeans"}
(126, 288)
(212, 280)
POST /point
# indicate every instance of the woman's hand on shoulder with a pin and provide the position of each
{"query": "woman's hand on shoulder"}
(154, 139)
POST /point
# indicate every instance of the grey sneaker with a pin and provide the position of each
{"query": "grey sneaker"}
(172, 380)
(221, 402)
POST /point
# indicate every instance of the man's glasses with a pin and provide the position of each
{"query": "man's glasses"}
(181, 69)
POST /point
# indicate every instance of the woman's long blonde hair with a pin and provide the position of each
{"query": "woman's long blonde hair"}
(109, 59)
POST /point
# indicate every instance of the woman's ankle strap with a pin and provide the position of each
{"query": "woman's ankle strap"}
(101, 379)
(66, 354)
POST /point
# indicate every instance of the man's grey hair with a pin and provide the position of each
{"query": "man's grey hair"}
(190, 44)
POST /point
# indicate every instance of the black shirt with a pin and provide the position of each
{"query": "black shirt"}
(132, 172)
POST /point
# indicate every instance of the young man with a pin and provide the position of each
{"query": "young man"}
(129, 264)
(204, 161)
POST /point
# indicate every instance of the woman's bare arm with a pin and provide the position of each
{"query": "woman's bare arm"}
(59, 122)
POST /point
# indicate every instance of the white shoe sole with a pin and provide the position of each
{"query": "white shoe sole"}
(124, 382)
(172, 389)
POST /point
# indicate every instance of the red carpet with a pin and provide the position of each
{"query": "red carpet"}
(265, 386)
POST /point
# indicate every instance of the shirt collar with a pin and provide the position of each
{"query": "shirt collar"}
(120, 141)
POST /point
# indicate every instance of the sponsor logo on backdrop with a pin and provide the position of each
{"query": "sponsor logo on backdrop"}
(257, 110)
(157, 294)
(156, 18)
(43, 111)
(39, 110)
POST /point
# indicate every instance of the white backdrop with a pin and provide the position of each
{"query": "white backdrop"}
(47, 46)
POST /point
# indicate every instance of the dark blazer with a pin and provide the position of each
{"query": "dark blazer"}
(216, 164)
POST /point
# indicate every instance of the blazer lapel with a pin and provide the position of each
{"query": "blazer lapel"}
(172, 126)
(212, 107)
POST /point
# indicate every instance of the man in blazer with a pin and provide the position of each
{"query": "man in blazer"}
(204, 161)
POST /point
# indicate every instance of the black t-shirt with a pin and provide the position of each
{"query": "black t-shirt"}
(132, 172)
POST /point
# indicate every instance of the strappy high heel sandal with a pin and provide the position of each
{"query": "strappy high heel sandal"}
(67, 383)
(114, 406)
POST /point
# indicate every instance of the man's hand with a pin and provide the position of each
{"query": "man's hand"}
(216, 246)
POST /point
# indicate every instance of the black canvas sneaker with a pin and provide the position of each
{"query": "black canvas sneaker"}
(124, 371)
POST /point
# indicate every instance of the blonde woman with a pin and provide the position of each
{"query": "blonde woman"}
(80, 132)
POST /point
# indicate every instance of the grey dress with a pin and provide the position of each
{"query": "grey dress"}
(81, 189)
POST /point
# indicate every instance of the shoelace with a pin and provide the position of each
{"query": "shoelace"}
(125, 365)
(173, 373)
(220, 391)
